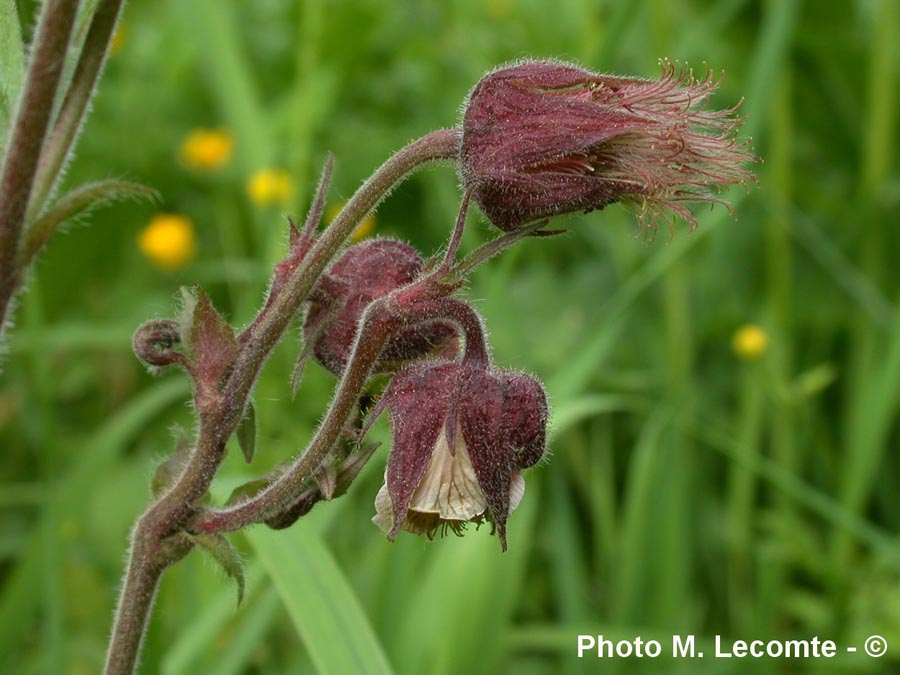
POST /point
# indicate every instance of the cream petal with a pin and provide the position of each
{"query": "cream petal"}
(384, 512)
(449, 487)
(516, 491)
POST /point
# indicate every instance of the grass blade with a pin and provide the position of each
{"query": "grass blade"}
(200, 636)
(12, 66)
(21, 593)
(320, 601)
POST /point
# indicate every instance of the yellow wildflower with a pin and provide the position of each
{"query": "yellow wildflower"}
(749, 342)
(168, 240)
(269, 186)
(363, 230)
(206, 149)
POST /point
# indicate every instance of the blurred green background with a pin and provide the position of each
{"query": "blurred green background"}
(696, 485)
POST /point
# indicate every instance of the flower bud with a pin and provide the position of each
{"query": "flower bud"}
(154, 343)
(542, 138)
(364, 273)
(462, 434)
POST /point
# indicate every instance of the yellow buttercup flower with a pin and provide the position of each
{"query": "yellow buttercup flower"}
(269, 186)
(206, 149)
(168, 240)
(749, 342)
(363, 230)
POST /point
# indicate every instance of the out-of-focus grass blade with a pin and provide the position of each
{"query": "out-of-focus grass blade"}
(12, 64)
(871, 417)
(21, 594)
(13, 494)
(248, 634)
(74, 336)
(199, 636)
(320, 601)
(103, 446)
(218, 39)
(692, 42)
(477, 588)
(638, 532)
(621, 15)
(798, 490)
(568, 567)
(775, 36)
(569, 413)
(880, 124)
(847, 276)
(576, 372)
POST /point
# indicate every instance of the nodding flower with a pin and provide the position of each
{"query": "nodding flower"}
(462, 434)
(367, 271)
(543, 138)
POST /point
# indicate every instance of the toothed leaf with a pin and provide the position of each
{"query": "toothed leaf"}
(226, 555)
(168, 471)
(212, 345)
(246, 433)
(186, 318)
(77, 201)
(247, 490)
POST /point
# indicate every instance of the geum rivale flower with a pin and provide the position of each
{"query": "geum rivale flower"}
(365, 272)
(542, 138)
(462, 434)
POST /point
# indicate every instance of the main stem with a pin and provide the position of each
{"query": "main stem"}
(169, 514)
(72, 113)
(29, 131)
(375, 328)
(140, 586)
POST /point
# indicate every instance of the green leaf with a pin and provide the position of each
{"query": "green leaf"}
(168, 471)
(12, 67)
(320, 601)
(186, 317)
(226, 555)
(247, 490)
(246, 433)
(78, 201)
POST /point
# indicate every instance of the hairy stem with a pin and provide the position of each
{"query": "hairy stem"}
(488, 250)
(456, 237)
(139, 588)
(170, 513)
(468, 324)
(148, 558)
(381, 319)
(27, 139)
(266, 331)
(376, 326)
(72, 114)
